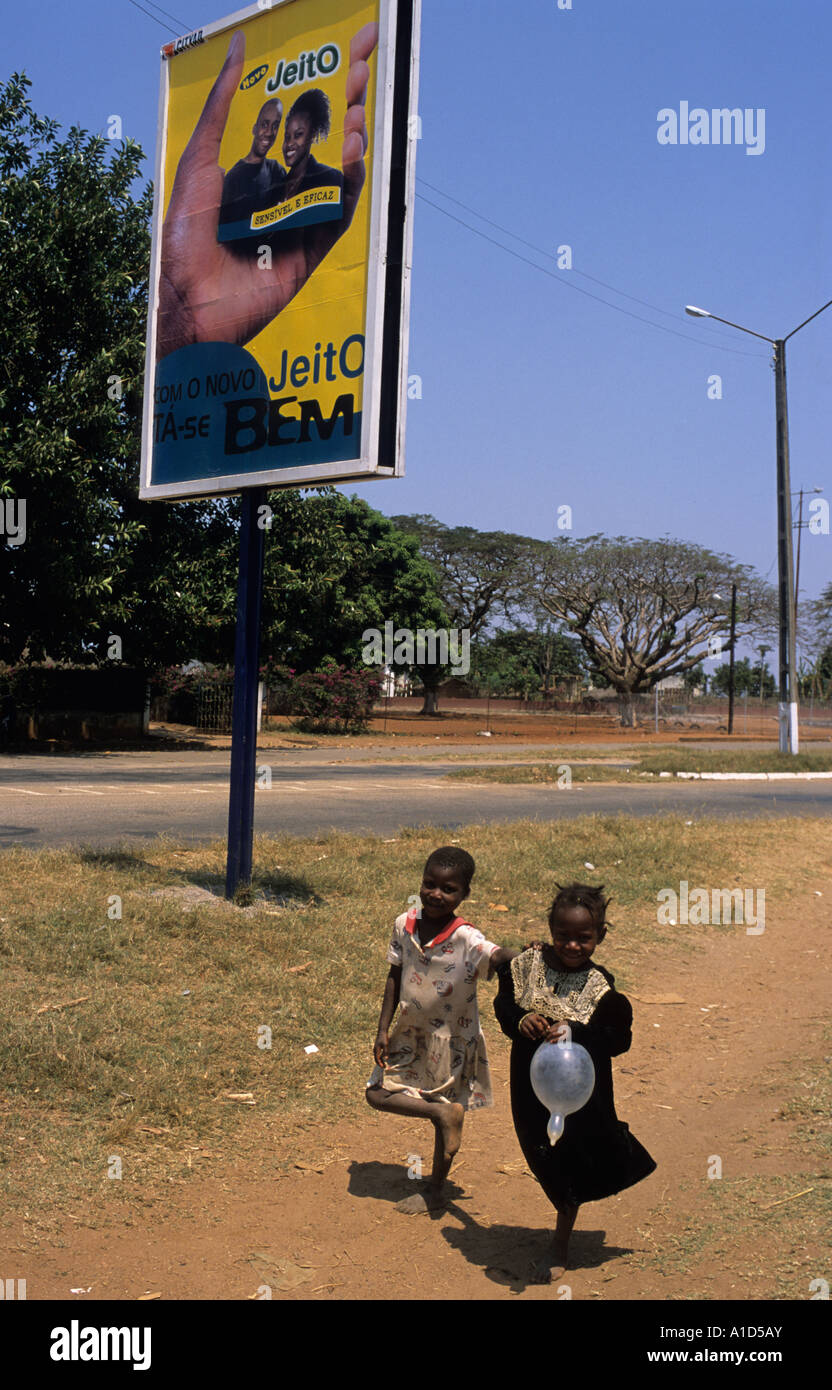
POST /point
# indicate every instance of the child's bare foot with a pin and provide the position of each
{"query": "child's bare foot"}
(552, 1266)
(429, 1199)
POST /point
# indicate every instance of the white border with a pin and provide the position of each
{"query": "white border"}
(407, 248)
(366, 466)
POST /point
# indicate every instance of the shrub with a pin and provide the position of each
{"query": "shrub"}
(334, 700)
(176, 691)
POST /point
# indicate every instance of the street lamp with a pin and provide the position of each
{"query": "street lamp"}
(785, 566)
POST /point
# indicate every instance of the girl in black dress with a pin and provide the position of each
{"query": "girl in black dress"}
(541, 990)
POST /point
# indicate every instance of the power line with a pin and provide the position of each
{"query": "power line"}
(645, 304)
(567, 284)
(183, 29)
(584, 274)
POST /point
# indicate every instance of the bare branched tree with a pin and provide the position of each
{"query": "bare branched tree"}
(645, 610)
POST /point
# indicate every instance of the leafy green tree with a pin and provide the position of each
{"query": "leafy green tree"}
(74, 253)
(524, 661)
(746, 679)
(696, 679)
(334, 569)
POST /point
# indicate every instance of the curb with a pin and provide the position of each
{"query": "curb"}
(750, 776)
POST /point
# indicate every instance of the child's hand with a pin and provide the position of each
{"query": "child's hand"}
(380, 1048)
(534, 1027)
(556, 1031)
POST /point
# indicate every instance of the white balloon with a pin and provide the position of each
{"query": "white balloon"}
(563, 1079)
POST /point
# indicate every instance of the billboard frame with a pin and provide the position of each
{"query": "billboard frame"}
(389, 260)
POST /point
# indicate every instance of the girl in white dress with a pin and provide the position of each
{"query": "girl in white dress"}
(433, 1064)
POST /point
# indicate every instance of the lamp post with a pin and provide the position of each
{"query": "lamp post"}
(789, 742)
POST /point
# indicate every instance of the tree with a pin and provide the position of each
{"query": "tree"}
(643, 610)
(334, 569)
(814, 646)
(477, 573)
(74, 254)
(522, 661)
(820, 680)
(478, 570)
(746, 679)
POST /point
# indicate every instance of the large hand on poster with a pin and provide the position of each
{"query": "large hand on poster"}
(208, 293)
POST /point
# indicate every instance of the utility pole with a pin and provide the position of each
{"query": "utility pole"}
(762, 651)
(731, 659)
(785, 572)
(785, 563)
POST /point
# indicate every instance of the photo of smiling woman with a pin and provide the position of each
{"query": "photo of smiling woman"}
(308, 122)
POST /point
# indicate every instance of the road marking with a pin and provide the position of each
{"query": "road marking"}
(24, 791)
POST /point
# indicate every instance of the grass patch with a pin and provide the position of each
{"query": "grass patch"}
(756, 1232)
(558, 773)
(128, 1034)
(637, 767)
(810, 1105)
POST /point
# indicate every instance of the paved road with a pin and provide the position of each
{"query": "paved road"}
(99, 799)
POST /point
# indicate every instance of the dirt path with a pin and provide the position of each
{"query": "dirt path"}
(706, 1077)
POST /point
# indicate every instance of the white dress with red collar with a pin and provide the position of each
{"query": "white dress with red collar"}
(436, 1047)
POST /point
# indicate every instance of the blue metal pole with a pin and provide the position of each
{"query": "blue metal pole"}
(246, 679)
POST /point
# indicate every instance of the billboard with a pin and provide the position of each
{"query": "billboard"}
(279, 293)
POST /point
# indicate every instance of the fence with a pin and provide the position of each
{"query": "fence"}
(213, 708)
(752, 715)
(676, 709)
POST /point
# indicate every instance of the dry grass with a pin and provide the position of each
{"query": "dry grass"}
(124, 1036)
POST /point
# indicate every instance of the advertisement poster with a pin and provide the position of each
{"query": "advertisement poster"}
(277, 332)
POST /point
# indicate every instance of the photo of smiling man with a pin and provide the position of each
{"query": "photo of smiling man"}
(254, 182)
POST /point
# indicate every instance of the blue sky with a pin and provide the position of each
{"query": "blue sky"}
(545, 121)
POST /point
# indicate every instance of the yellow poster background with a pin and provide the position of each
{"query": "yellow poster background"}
(331, 307)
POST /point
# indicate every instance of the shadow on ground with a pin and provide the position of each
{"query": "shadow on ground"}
(277, 888)
(504, 1253)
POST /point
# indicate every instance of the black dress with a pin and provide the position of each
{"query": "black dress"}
(596, 1154)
